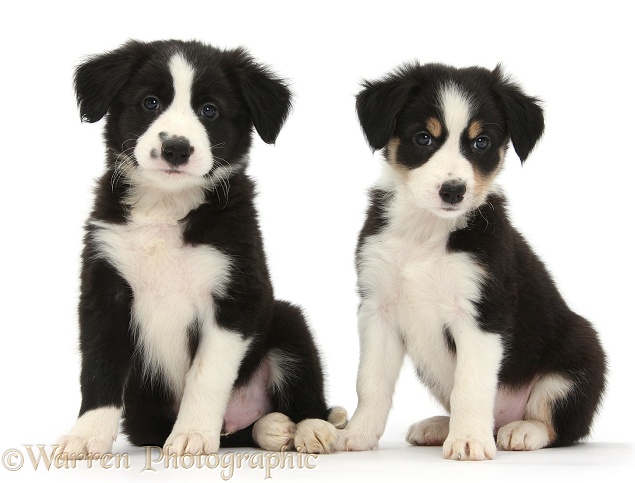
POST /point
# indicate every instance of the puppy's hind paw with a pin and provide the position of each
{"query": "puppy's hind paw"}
(338, 417)
(429, 432)
(523, 436)
(274, 432)
(315, 436)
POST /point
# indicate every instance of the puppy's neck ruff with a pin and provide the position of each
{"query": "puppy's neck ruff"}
(150, 202)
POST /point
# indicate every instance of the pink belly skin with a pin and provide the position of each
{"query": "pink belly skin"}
(248, 403)
(510, 404)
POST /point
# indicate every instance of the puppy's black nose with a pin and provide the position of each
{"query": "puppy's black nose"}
(176, 151)
(452, 192)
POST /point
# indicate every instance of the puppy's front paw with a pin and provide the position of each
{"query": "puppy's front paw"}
(429, 432)
(92, 434)
(315, 436)
(83, 446)
(352, 440)
(274, 432)
(469, 448)
(192, 442)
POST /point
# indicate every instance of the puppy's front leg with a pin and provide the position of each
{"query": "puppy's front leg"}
(208, 387)
(478, 358)
(381, 355)
(104, 326)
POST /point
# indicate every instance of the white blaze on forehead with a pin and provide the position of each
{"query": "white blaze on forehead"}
(179, 120)
(448, 163)
(183, 77)
(455, 107)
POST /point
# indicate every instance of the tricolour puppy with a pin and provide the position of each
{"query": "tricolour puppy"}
(445, 278)
(179, 330)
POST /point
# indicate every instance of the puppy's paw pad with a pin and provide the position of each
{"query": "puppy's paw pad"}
(523, 436)
(338, 417)
(315, 436)
(429, 432)
(274, 432)
(191, 442)
(469, 449)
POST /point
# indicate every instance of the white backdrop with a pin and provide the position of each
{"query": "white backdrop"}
(572, 199)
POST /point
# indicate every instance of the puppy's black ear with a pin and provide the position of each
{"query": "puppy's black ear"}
(524, 115)
(379, 103)
(267, 96)
(99, 79)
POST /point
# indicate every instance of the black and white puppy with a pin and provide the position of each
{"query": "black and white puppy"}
(179, 330)
(445, 278)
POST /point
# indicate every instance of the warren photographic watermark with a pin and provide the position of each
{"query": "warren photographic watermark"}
(46, 458)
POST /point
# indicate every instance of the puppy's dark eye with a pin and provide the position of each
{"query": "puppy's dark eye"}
(481, 142)
(151, 103)
(423, 139)
(209, 111)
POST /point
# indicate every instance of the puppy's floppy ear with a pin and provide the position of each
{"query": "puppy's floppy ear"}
(379, 103)
(267, 96)
(100, 77)
(524, 115)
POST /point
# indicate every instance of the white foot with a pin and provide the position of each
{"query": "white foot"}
(469, 448)
(315, 436)
(523, 436)
(429, 432)
(92, 435)
(354, 440)
(192, 442)
(77, 446)
(338, 417)
(274, 432)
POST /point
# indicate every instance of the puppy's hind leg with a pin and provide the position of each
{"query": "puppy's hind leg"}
(297, 384)
(149, 409)
(558, 413)
(536, 429)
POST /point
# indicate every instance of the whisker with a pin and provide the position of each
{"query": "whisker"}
(221, 179)
(123, 166)
(133, 138)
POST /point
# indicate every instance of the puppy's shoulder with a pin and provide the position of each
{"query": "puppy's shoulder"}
(376, 213)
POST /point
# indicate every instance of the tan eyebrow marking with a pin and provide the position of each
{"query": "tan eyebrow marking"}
(476, 127)
(433, 125)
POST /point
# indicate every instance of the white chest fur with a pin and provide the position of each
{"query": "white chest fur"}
(173, 286)
(409, 276)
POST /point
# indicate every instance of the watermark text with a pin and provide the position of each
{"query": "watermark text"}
(46, 458)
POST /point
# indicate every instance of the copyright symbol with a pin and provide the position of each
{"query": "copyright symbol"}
(12, 459)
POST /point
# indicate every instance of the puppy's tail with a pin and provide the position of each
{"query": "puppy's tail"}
(338, 417)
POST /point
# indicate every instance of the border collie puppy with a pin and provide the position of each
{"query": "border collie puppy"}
(444, 277)
(179, 330)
